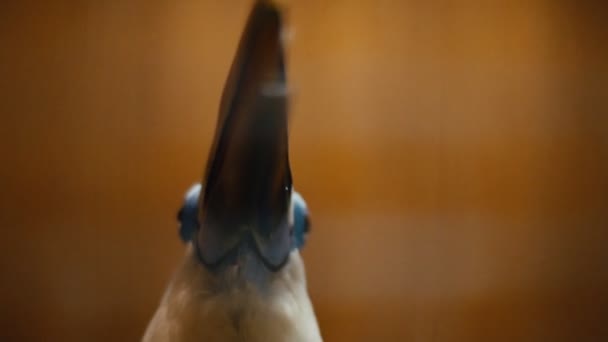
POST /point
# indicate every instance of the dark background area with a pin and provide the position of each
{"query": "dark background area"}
(454, 156)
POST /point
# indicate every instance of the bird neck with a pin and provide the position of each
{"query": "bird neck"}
(198, 310)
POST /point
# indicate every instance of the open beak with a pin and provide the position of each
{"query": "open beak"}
(248, 179)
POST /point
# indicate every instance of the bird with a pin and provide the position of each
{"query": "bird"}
(242, 277)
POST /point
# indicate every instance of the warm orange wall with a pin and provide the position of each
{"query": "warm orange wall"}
(455, 158)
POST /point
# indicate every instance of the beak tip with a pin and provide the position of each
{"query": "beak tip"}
(274, 3)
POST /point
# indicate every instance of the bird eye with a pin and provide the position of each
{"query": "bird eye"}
(306, 224)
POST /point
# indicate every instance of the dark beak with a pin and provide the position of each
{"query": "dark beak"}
(248, 178)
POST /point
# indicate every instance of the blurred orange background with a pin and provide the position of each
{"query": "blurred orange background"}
(454, 156)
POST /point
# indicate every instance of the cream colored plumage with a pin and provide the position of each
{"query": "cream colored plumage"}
(190, 312)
